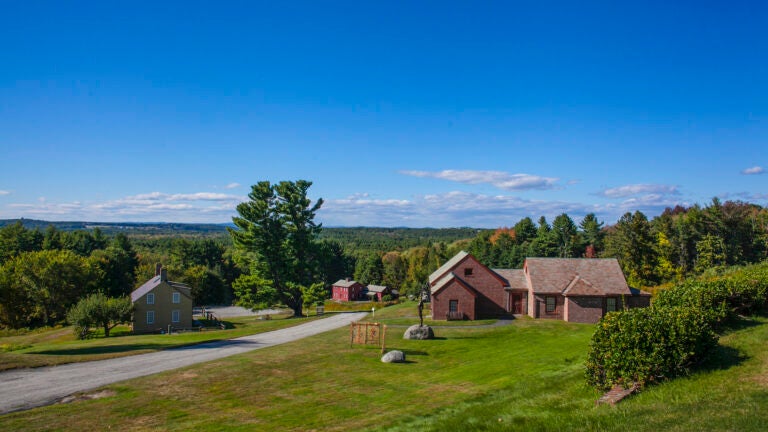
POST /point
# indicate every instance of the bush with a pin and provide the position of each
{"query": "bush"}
(647, 345)
(676, 332)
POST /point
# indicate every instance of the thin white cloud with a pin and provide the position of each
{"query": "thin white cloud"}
(4, 192)
(753, 170)
(199, 196)
(639, 189)
(147, 207)
(441, 210)
(233, 185)
(499, 179)
(748, 196)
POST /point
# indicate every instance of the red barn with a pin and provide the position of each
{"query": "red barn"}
(346, 290)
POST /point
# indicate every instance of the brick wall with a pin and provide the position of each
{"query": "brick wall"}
(586, 309)
(540, 307)
(492, 301)
(453, 291)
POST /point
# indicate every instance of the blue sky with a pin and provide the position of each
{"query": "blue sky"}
(400, 113)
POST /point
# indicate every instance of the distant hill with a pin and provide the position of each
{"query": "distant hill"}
(357, 238)
(124, 227)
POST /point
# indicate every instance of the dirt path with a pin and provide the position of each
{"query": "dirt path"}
(28, 388)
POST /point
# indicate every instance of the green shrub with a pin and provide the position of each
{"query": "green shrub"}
(676, 332)
(647, 345)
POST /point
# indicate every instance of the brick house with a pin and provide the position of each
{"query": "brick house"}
(569, 289)
(347, 290)
(160, 303)
(376, 292)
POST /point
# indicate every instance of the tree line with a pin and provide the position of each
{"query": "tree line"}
(277, 254)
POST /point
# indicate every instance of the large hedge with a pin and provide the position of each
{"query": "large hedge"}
(646, 345)
(676, 332)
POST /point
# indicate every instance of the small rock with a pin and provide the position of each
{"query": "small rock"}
(419, 332)
(393, 357)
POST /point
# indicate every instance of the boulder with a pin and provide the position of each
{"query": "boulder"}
(419, 332)
(393, 356)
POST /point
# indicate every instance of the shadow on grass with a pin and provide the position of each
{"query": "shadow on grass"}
(408, 352)
(723, 358)
(111, 349)
(740, 323)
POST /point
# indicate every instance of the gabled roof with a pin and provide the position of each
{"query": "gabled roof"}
(451, 263)
(576, 276)
(515, 278)
(376, 288)
(153, 283)
(442, 283)
(344, 283)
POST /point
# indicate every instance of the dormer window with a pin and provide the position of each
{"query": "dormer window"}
(468, 271)
(151, 298)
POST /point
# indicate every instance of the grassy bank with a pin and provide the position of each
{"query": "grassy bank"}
(46, 347)
(524, 376)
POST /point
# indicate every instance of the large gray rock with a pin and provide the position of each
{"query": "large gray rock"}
(419, 332)
(394, 356)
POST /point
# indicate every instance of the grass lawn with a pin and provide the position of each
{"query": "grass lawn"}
(47, 347)
(406, 314)
(524, 376)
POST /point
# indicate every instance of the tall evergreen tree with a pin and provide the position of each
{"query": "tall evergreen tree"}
(277, 231)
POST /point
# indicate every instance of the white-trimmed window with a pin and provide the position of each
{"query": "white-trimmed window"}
(150, 317)
(551, 303)
(175, 316)
(151, 298)
(177, 297)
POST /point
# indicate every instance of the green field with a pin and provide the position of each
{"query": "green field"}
(524, 376)
(46, 347)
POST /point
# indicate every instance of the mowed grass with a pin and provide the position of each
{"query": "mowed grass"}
(48, 347)
(524, 376)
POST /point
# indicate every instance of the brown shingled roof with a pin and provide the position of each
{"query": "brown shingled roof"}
(576, 276)
(442, 283)
(515, 278)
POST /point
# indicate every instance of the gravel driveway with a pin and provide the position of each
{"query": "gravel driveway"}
(29, 388)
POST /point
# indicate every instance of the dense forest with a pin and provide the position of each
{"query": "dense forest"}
(44, 271)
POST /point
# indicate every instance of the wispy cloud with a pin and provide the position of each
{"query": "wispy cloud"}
(146, 207)
(639, 189)
(499, 179)
(232, 186)
(748, 196)
(753, 170)
(4, 192)
(441, 210)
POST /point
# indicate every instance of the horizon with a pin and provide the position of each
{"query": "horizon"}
(436, 114)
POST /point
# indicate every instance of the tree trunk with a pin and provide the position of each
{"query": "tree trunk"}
(106, 330)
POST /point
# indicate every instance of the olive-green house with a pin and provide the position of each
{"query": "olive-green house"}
(160, 305)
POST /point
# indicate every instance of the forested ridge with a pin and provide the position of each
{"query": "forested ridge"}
(45, 271)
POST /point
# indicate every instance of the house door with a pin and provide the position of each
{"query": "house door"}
(517, 303)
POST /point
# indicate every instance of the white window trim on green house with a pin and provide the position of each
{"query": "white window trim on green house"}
(151, 298)
(150, 317)
(177, 297)
(175, 315)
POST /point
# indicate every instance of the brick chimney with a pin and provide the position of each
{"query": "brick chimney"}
(163, 275)
(158, 267)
